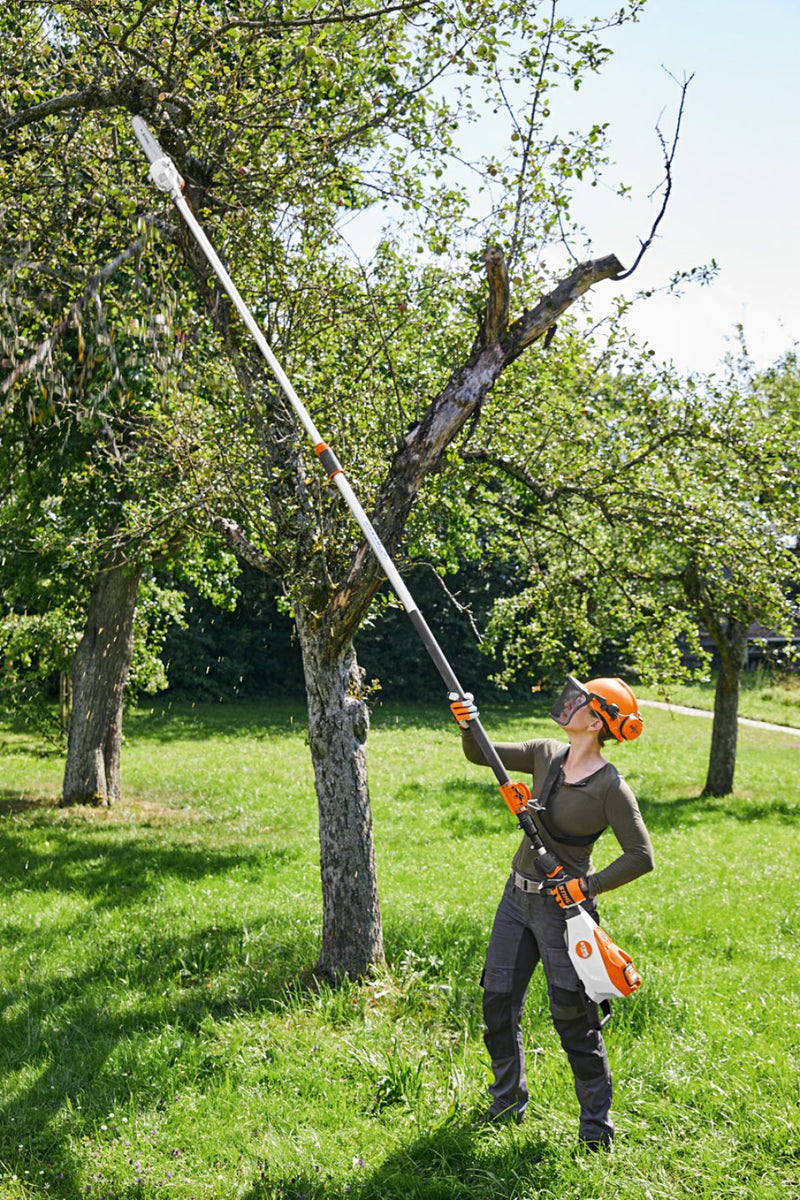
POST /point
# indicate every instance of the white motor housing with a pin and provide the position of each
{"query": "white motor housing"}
(605, 970)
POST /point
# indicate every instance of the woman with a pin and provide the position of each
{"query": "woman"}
(585, 795)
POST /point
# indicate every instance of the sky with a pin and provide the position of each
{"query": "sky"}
(736, 177)
(736, 174)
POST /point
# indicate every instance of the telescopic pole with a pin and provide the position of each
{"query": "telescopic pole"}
(165, 176)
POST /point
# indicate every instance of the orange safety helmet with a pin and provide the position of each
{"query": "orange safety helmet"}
(612, 700)
(617, 707)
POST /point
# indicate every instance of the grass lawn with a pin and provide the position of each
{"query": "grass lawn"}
(161, 1034)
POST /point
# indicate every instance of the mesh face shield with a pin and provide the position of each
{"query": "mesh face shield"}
(573, 697)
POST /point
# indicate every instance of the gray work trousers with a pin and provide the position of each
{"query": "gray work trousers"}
(528, 928)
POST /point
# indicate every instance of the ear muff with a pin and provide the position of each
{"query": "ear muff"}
(630, 727)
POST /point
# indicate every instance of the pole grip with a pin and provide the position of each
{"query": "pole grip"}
(452, 684)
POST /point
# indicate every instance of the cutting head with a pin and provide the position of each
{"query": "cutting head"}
(163, 171)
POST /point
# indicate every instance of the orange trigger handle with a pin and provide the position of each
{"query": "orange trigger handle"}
(516, 796)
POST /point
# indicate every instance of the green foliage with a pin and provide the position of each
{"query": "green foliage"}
(248, 653)
(35, 652)
(637, 505)
(124, 430)
(181, 1045)
(158, 610)
(97, 465)
(283, 121)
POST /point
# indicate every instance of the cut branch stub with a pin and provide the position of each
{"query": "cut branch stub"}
(239, 542)
(495, 320)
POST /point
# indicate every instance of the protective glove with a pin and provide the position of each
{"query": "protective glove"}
(570, 891)
(463, 708)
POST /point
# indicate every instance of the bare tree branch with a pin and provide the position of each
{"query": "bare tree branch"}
(536, 321)
(276, 28)
(527, 139)
(464, 609)
(459, 400)
(669, 156)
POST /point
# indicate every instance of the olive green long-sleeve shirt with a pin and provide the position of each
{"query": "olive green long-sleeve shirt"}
(601, 800)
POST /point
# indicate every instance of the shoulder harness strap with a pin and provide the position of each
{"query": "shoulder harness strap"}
(556, 766)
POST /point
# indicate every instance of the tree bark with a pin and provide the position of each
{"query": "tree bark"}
(338, 723)
(99, 674)
(732, 647)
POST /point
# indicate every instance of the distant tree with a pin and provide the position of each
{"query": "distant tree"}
(646, 507)
(751, 574)
(98, 484)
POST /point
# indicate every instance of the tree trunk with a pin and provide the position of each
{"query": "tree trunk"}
(99, 674)
(722, 760)
(338, 723)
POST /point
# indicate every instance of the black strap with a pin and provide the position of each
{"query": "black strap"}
(556, 766)
(566, 839)
(594, 1009)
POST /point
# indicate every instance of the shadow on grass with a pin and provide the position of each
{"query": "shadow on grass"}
(104, 863)
(12, 802)
(167, 722)
(114, 999)
(662, 815)
(129, 1028)
(457, 1161)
